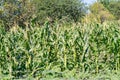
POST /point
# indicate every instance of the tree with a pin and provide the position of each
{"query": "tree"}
(58, 9)
(16, 12)
(113, 6)
(101, 13)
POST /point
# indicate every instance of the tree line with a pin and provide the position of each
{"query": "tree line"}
(25, 12)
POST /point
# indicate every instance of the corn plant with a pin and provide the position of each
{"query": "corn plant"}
(77, 50)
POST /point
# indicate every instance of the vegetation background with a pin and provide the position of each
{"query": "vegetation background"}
(59, 39)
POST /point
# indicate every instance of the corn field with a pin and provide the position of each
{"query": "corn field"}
(67, 52)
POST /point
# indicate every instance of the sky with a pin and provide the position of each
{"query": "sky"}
(89, 1)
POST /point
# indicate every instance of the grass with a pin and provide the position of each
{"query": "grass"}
(67, 52)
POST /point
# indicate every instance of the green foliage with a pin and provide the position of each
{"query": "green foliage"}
(59, 9)
(100, 12)
(16, 12)
(113, 6)
(88, 51)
